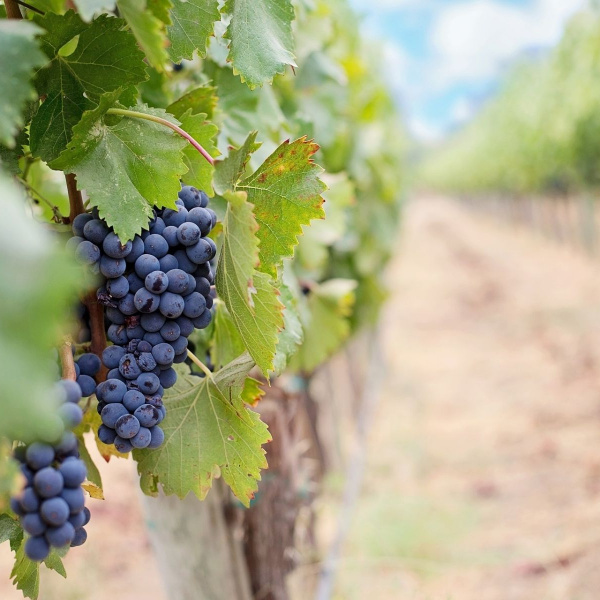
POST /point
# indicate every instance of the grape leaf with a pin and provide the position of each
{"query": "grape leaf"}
(161, 10)
(325, 322)
(126, 167)
(250, 296)
(10, 531)
(147, 29)
(199, 100)
(193, 22)
(43, 282)
(200, 171)
(292, 335)
(286, 193)
(252, 392)
(106, 58)
(93, 486)
(86, 9)
(261, 38)
(207, 430)
(20, 55)
(230, 170)
(226, 341)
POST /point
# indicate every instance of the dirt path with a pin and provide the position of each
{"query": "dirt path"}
(484, 466)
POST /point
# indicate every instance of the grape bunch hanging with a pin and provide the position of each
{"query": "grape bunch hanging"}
(157, 291)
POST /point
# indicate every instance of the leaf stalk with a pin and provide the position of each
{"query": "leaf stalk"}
(133, 114)
(200, 364)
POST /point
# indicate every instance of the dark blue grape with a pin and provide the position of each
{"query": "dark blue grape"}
(156, 245)
(127, 426)
(87, 253)
(106, 434)
(163, 354)
(194, 306)
(122, 445)
(167, 263)
(113, 247)
(168, 377)
(30, 501)
(79, 223)
(113, 391)
(152, 322)
(178, 281)
(203, 199)
(78, 519)
(67, 443)
(155, 400)
(142, 438)
(145, 264)
(89, 364)
(135, 283)
(146, 361)
(127, 306)
(70, 390)
(180, 358)
(74, 498)
(202, 218)
(60, 536)
(180, 345)
(188, 234)
(133, 399)
(95, 231)
(137, 249)
(186, 326)
(144, 346)
(116, 374)
(135, 332)
(156, 282)
(170, 235)
(71, 414)
(112, 267)
(190, 196)
(154, 338)
(209, 302)
(148, 383)
(158, 226)
(33, 524)
(213, 247)
(27, 473)
(73, 243)
(80, 537)
(48, 482)
(174, 218)
(147, 415)
(170, 332)
(145, 301)
(37, 548)
(203, 320)
(191, 286)
(200, 252)
(128, 367)
(171, 305)
(184, 262)
(55, 511)
(202, 286)
(87, 385)
(115, 316)
(118, 288)
(157, 437)
(73, 472)
(87, 515)
(117, 334)
(39, 455)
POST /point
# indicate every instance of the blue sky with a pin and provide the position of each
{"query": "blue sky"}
(445, 57)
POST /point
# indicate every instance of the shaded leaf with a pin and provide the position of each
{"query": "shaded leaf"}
(193, 22)
(231, 169)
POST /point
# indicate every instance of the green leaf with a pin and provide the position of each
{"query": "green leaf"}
(34, 308)
(200, 171)
(161, 10)
(250, 296)
(199, 100)
(106, 59)
(227, 343)
(207, 430)
(325, 322)
(261, 38)
(87, 9)
(252, 392)
(147, 29)
(292, 335)
(93, 475)
(10, 530)
(126, 167)
(20, 55)
(286, 193)
(230, 170)
(193, 23)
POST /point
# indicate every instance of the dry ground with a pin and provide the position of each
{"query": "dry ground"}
(483, 478)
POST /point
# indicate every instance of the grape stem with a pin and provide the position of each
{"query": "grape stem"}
(133, 114)
(12, 9)
(67, 361)
(200, 364)
(55, 210)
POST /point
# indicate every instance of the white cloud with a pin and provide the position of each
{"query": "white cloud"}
(474, 40)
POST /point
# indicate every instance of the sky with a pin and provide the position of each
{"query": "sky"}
(444, 58)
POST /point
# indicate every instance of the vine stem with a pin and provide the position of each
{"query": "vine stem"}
(200, 364)
(55, 210)
(12, 9)
(95, 309)
(184, 134)
(67, 361)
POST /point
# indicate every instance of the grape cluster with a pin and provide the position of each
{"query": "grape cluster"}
(157, 291)
(51, 505)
